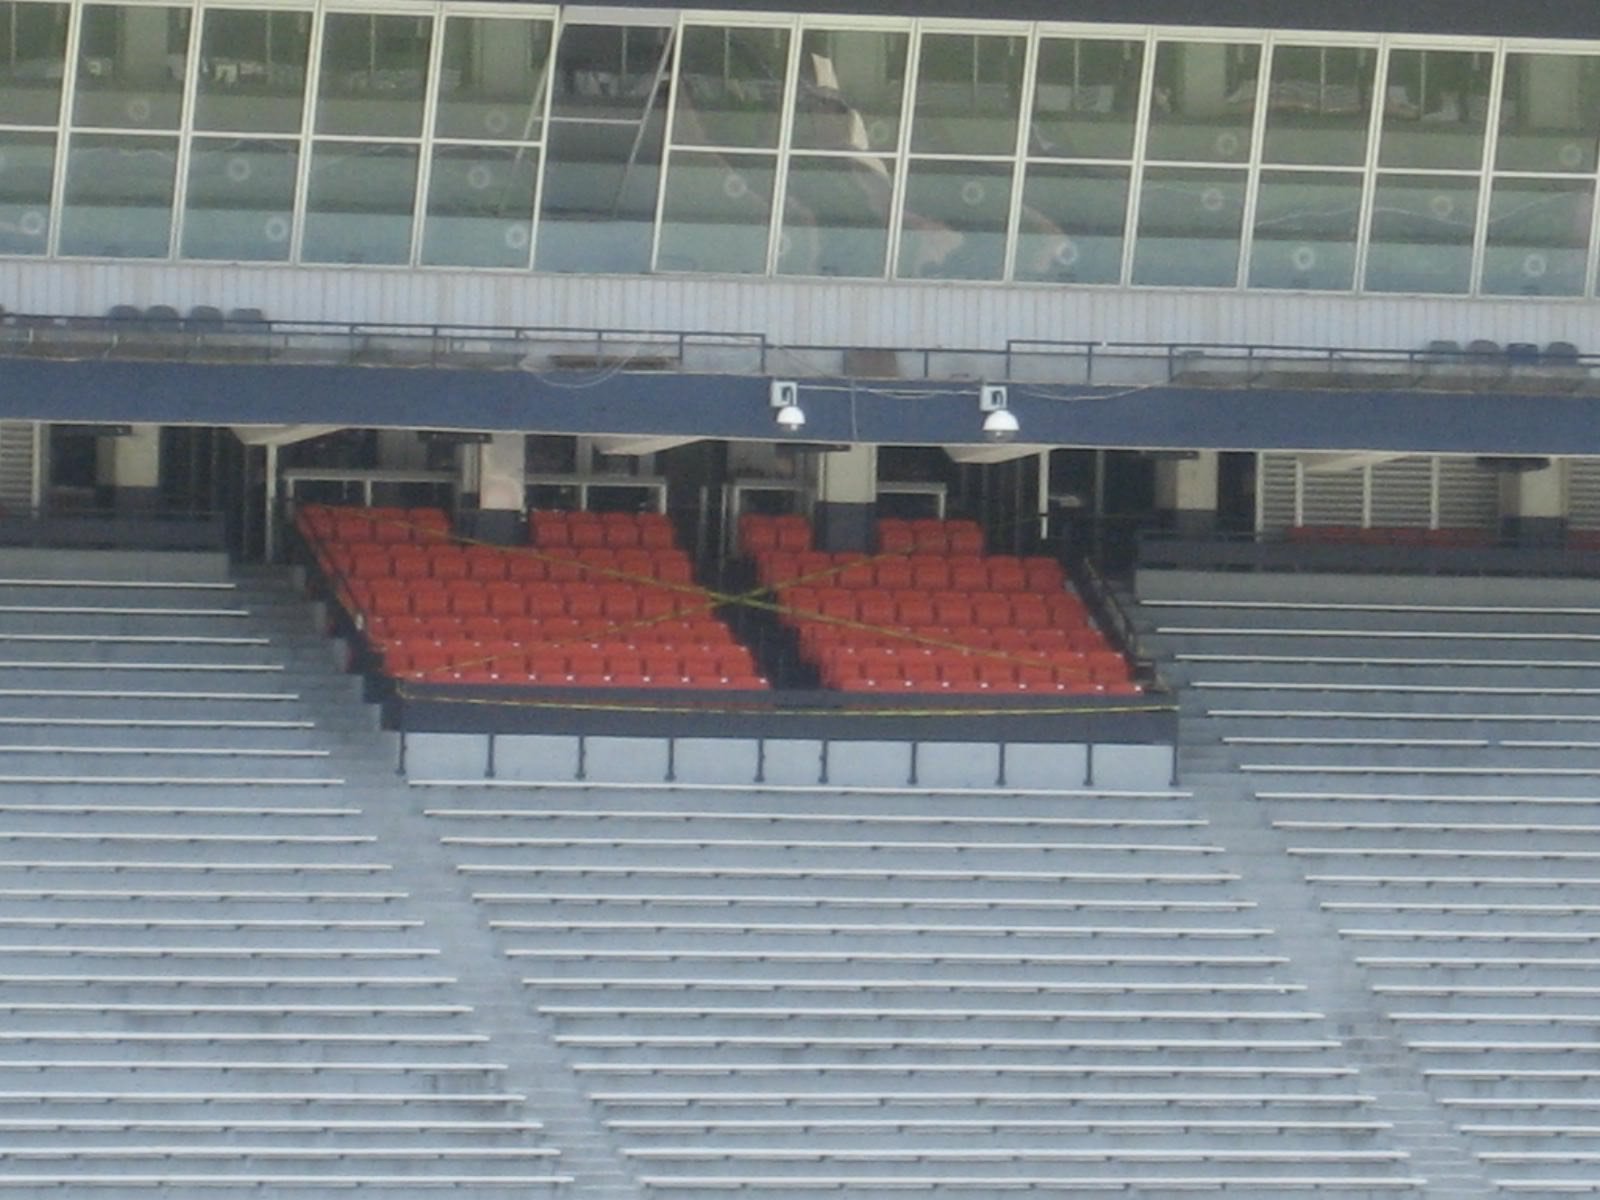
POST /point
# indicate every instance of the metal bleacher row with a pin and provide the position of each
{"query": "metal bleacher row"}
(596, 600)
(907, 991)
(1424, 752)
(213, 977)
(931, 612)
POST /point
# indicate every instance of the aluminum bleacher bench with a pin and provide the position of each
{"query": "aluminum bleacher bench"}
(234, 1037)
(878, 1099)
(202, 896)
(220, 1125)
(260, 1066)
(1019, 1182)
(878, 928)
(200, 923)
(1423, 798)
(194, 1008)
(1463, 881)
(279, 1153)
(243, 1096)
(602, 870)
(963, 1125)
(778, 818)
(921, 847)
(253, 953)
(1041, 1069)
(877, 1013)
(1038, 1154)
(967, 1045)
(853, 984)
(814, 900)
(178, 980)
(121, 1181)
(114, 866)
(897, 956)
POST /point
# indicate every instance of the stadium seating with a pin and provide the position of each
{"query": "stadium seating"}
(597, 600)
(931, 612)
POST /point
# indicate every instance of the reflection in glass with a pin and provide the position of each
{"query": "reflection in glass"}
(1421, 239)
(480, 206)
(954, 223)
(1086, 98)
(608, 116)
(718, 210)
(1435, 107)
(730, 86)
(27, 168)
(118, 200)
(374, 74)
(1538, 237)
(851, 87)
(491, 82)
(359, 203)
(1203, 101)
(1072, 223)
(836, 217)
(33, 54)
(252, 76)
(1549, 114)
(1305, 230)
(968, 94)
(1319, 102)
(240, 199)
(1189, 227)
(131, 66)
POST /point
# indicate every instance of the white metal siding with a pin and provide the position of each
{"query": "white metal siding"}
(19, 465)
(1469, 496)
(824, 312)
(1402, 492)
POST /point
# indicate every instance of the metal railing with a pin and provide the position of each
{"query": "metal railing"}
(538, 349)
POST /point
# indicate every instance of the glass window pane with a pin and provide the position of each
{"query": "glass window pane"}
(118, 201)
(1421, 238)
(359, 206)
(1086, 98)
(27, 169)
(252, 71)
(1189, 227)
(1435, 106)
(240, 199)
(1203, 102)
(852, 84)
(969, 88)
(1538, 237)
(33, 56)
(1305, 230)
(1549, 114)
(131, 66)
(374, 74)
(480, 206)
(954, 226)
(730, 86)
(718, 210)
(1319, 104)
(608, 116)
(492, 80)
(836, 216)
(1071, 229)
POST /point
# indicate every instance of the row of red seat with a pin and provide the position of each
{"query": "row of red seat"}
(388, 525)
(596, 616)
(1025, 610)
(943, 671)
(792, 534)
(587, 530)
(679, 632)
(488, 565)
(928, 572)
(759, 534)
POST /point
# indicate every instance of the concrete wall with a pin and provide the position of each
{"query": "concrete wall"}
(796, 762)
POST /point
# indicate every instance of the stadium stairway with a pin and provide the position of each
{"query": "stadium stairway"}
(1410, 766)
(229, 962)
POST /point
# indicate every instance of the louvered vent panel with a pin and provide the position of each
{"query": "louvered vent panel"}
(1402, 492)
(1469, 496)
(1583, 493)
(1334, 498)
(1277, 491)
(18, 461)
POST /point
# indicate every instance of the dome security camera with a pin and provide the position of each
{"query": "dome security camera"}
(791, 418)
(1000, 426)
